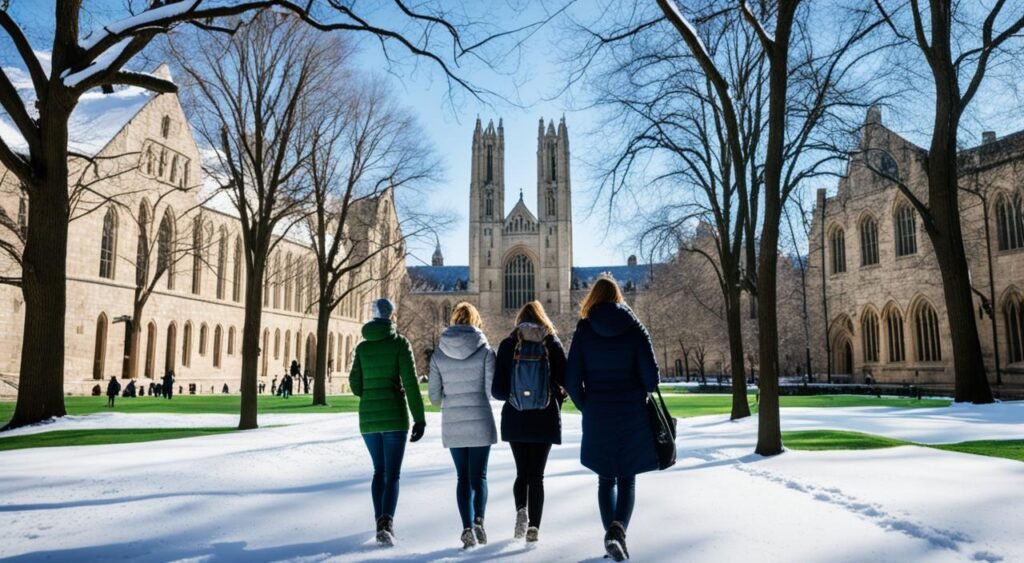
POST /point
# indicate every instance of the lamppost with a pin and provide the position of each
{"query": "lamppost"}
(126, 364)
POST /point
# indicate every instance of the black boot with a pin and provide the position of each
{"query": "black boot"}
(478, 530)
(385, 531)
(615, 542)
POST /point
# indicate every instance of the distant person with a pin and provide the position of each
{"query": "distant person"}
(224, 390)
(168, 384)
(305, 382)
(530, 357)
(273, 386)
(129, 390)
(461, 374)
(383, 376)
(611, 369)
(113, 388)
(286, 386)
(294, 370)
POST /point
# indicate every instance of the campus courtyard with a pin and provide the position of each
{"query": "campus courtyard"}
(888, 480)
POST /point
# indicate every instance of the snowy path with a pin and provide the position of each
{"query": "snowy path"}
(300, 492)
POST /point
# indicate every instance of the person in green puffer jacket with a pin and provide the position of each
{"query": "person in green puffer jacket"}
(383, 376)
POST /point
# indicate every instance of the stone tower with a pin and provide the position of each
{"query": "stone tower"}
(554, 213)
(486, 210)
(438, 258)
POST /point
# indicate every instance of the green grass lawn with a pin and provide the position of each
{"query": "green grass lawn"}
(824, 440)
(106, 436)
(682, 405)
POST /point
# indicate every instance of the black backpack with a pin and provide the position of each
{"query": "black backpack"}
(530, 387)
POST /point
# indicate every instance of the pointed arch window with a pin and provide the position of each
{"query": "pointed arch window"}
(288, 269)
(552, 205)
(165, 126)
(197, 256)
(164, 236)
(186, 345)
(99, 358)
(1010, 222)
(894, 335)
(489, 204)
(204, 336)
(490, 163)
(519, 288)
(142, 247)
(906, 231)
(162, 164)
(108, 244)
(869, 334)
(838, 241)
(231, 341)
(553, 165)
(926, 327)
(1013, 313)
(222, 263)
(218, 338)
(868, 242)
(174, 168)
(277, 281)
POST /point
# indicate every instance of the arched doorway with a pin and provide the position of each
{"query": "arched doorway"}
(172, 344)
(310, 364)
(150, 349)
(99, 358)
(842, 357)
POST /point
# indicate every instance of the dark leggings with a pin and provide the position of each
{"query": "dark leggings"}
(529, 486)
(471, 491)
(386, 451)
(615, 496)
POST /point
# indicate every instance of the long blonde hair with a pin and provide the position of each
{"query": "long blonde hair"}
(604, 290)
(466, 314)
(533, 312)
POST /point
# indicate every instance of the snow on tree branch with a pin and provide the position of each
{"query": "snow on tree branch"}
(99, 65)
(767, 40)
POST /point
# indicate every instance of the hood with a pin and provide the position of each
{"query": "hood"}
(378, 329)
(531, 332)
(612, 319)
(461, 341)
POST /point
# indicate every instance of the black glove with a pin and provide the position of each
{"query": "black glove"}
(417, 431)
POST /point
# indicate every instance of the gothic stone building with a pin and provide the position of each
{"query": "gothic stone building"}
(144, 214)
(515, 257)
(874, 271)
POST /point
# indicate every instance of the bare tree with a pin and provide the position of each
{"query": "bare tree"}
(365, 150)
(960, 42)
(78, 64)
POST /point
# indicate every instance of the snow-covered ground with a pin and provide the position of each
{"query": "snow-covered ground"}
(300, 491)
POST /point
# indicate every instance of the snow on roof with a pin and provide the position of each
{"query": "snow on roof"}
(97, 118)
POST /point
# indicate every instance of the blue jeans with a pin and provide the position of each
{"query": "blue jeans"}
(386, 450)
(471, 492)
(615, 497)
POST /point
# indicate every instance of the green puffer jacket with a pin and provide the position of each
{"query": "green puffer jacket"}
(382, 371)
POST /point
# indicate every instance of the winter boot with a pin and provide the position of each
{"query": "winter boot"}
(478, 531)
(615, 542)
(468, 539)
(385, 531)
(531, 534)
(521, 523)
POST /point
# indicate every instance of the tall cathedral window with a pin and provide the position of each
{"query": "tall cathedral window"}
(554, 166)
(869, 332)
(222, 263)
(197, 256)
(552, 207)
(869, 242)
(894, 332)
(518, 282)
(906, 231)
(163, 249)
(142, 247)
(489, 204)
(1010, 222)
(108, 244)
(838, 251)
(1013, 312)
(490, 164)
(926, 324)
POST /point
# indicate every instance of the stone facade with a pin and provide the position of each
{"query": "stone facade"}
(193, 321)
(874, 271)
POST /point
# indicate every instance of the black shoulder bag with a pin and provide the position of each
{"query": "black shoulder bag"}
(663, 426)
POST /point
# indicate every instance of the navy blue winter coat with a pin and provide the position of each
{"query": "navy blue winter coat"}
(611, 368)
(539, 426)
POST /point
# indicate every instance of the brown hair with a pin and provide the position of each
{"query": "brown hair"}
(533, 312)
(604, 290)
(466, 314)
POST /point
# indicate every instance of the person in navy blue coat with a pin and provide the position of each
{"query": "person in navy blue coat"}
(530, 433)
(611, 369)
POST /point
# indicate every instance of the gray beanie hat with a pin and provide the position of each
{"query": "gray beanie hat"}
(383, 309)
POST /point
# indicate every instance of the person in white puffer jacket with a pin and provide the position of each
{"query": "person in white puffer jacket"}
(461, 373)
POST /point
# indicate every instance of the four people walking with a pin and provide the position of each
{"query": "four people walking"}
(460, 377)
(610, 370)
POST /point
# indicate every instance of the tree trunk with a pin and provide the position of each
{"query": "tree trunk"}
(248, 415)
(44, 282)
(947, 240)
(323, 325)
(769, 429)
(734, 322)
(135, 341)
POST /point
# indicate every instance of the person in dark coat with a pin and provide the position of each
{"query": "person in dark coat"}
(273, 386)
(286, 386)
(530, 433)
(611, 369)
(113, 388)
(168, 384)
(294, 370)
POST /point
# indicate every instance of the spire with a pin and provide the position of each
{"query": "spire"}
(520, 194)
(437, 259)
(551, 127)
